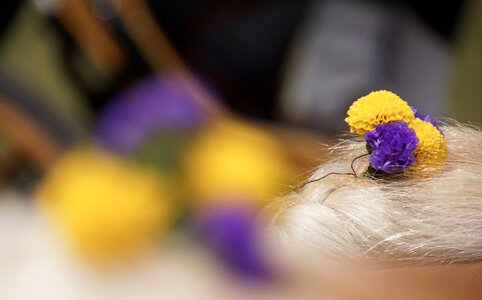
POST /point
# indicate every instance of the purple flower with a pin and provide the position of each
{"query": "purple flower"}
(425, 118)
(231, 231)
(391, 147)
(153, 104)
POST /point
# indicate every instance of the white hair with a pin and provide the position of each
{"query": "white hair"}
(418, 220)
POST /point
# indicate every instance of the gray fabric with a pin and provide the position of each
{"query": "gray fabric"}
(349, 48)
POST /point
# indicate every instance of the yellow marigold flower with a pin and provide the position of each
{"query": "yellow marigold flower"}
(107, 207)
(377, 108)
(431, 148)
(235, 160)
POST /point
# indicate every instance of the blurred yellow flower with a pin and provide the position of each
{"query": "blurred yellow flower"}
(234, 160)
(108, 207)
(377, 108)
(431, 147)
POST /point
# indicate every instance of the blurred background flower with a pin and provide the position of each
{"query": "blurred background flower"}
(107, 207)
(153, 105)
(230, 229)
(234, 159)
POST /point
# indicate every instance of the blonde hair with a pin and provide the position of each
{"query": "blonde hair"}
(418, 220)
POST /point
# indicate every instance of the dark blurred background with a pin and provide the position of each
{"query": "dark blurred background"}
(298, 63)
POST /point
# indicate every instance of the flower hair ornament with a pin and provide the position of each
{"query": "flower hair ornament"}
(398, 138)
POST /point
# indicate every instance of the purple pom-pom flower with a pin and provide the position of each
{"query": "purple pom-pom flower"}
(391, 146)
(152, 104)
(425, 118)
(231, 231)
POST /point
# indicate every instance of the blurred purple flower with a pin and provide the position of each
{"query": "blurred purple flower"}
(232, 232)
(155, 103)
(425, 118)
(392, 146)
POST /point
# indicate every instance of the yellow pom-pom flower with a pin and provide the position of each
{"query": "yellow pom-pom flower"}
(232, 160)
(108, 208)
(377, 108)
(431, 148)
